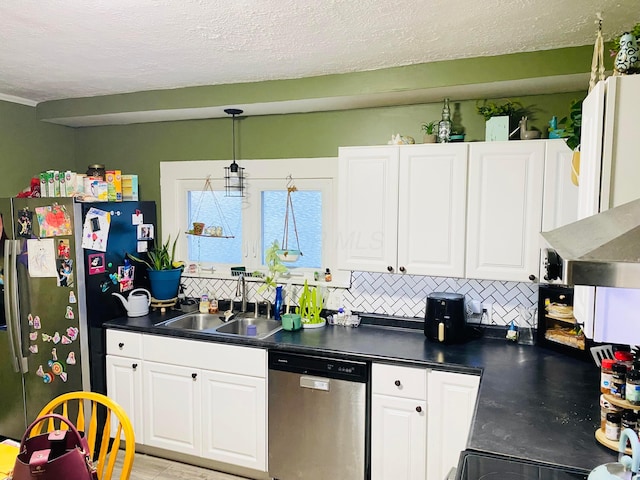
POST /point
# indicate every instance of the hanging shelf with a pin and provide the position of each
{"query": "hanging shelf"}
(287, 254)
(200, 229)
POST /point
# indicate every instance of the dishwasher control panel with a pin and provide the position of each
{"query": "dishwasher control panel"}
(321, 366)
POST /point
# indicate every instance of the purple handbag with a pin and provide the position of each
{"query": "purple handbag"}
(56, 455)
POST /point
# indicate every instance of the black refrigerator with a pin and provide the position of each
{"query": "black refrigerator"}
(59, 263)
(131, 230)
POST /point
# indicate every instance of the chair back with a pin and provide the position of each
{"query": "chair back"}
(91, 412)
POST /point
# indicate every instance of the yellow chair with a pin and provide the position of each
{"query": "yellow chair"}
(88, 408)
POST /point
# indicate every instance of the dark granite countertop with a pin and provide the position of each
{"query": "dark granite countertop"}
(533, 403)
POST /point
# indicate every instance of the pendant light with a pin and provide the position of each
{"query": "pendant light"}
(234, 173)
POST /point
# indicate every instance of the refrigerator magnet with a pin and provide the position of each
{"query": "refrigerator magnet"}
(69, 315)
(47, 378)
(54, 354)
(56, 338)
(46, 337)
(145, 231)
(36, 323)
(33, 336)
(65, 340)
(33, 348)
(42, 257)
(40, 371)
(72, 297)
(63, 249)
(71, 358)
(125, 277)
(137, 218)
(25, 223)
(96, 263)
(142, 247)
(72, 333)
(65, 272)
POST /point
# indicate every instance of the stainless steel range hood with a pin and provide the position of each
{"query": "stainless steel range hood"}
(601, 250)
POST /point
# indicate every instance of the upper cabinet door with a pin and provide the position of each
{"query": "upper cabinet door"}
(504, 213)
(368, 208)
(560, 193)
(431, 212)
(591, 152)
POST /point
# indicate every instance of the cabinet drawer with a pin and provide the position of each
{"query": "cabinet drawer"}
(404, 382)
(206, 355)
(124, 344)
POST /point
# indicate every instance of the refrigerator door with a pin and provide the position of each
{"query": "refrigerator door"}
(13, 421)
(102, 306)
(48, 285)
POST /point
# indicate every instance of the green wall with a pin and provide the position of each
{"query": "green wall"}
(139, 148)
(28, 146)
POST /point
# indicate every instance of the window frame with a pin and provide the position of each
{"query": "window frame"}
(178, 177)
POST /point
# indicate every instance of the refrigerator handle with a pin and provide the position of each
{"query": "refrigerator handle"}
(10, 292)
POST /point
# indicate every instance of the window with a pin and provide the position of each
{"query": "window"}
(256, 220)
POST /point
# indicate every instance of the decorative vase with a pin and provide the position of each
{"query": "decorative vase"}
(198, 228)
(164, 284)
(277, 304)
(627, 57)
(444, 126)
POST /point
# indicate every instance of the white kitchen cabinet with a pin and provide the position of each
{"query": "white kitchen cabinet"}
(233, 419)
(398, 423)
(504, 210)
(451, 405)
(368, 208)
(124, 376)
(609, 173)
(206, 399)
(402, 209)
(173, 418)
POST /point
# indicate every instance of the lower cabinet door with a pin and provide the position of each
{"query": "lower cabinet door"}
(398, 438)
(234, 419)
(124, 385)
(172, 417)
(452, 402)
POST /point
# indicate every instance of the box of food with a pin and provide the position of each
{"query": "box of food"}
(44, 185)
(70, 182)
(99, 190)
(62, 183)
(114, 185)
(130, 187)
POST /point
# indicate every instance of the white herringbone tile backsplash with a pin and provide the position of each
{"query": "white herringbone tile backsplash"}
(400, 295)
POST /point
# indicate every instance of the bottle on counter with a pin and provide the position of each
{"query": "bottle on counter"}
(327, 275)
(629, 419)
(213, 303)
(626, 358)
(204, 304)
(632, 388)
(605, 408)
(612, 429)
(619, 380)
(606, 375)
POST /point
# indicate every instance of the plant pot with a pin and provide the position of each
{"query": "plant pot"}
(429, 138)
(288, 255)
(164, 283)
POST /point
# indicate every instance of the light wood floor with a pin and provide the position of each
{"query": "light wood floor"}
(146, 467)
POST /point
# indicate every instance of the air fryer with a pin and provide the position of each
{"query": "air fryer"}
(445, 317)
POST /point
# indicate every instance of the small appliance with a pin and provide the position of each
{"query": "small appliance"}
(445, 318)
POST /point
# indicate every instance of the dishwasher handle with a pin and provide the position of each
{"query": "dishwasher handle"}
(315, 383)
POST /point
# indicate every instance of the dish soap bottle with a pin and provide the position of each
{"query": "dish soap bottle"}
(204, 304)
(512, 332)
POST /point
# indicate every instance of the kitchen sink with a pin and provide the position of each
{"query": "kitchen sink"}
(194, 321)
(242, 326)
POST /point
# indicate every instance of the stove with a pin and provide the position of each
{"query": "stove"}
(485, 466)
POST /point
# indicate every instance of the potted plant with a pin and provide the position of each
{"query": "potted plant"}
(501, 118)
(571, 134)
(429, 130)
(164, 271)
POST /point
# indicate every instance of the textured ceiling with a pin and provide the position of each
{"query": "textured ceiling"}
(53, 49)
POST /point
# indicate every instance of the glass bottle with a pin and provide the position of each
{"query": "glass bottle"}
(444, 126)
(277, 304)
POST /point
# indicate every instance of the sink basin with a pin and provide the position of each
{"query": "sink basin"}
(240, 326)
(194, 321)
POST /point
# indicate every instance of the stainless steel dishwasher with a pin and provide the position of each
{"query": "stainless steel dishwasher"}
(318, 411)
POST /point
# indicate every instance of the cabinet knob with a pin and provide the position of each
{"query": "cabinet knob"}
(389, 268)
(194, 375)
(397, 383)
(120, 345)
(418, 409)
(402, 269)
(134, 365)
(532, 277)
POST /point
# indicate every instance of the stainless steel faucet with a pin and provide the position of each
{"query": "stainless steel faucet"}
(241, 291)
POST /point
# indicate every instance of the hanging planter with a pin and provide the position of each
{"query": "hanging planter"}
(286, 254)
(200, 228)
